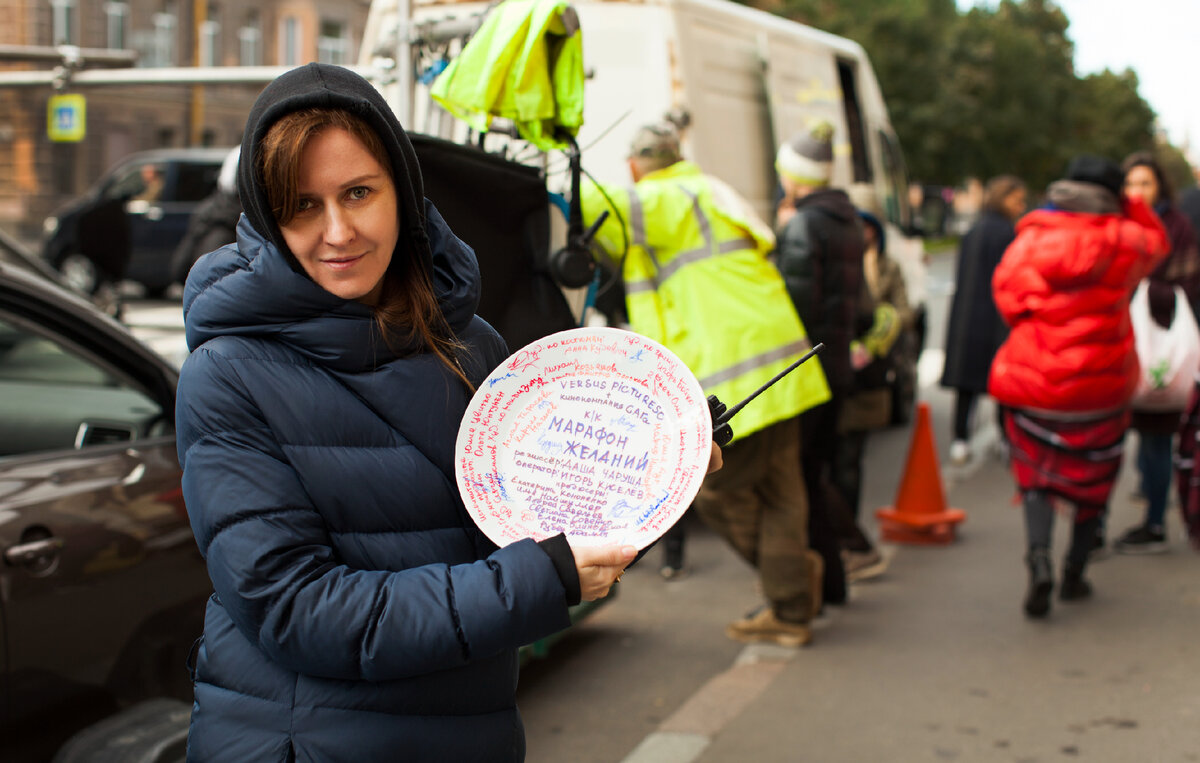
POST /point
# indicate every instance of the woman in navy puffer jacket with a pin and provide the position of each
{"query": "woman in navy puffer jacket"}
(359, 615)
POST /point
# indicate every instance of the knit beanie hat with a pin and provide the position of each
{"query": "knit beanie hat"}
(807, 159)
(1093, 169)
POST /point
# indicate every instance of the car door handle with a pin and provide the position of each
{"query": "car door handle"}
(27, 553)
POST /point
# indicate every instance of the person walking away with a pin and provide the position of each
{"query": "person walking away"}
(869, 405)
(693, 258)
(358, 615)
(820, 254)
(1145, 179)
(1068, 369)
(974, 330)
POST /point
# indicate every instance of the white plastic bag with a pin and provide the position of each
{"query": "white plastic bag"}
(1169, 357)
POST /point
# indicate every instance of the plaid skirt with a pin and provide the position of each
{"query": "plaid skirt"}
(1077, 460)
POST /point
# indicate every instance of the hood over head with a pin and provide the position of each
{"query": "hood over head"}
(327, 86)
(257, 288)
(832, 201)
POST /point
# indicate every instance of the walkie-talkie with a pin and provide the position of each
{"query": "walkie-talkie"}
(722, 432)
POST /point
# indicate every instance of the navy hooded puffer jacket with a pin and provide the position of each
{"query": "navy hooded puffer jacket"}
(359, 614)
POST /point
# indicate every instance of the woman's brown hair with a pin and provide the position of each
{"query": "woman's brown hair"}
(408, 313)
(1146, 159)
(998, 189)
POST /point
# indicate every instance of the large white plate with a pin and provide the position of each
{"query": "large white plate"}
(598, 433)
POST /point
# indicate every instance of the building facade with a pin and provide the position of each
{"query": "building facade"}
(37, 175)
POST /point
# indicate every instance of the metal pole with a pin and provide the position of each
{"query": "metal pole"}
(174, 75)
(404, 62)
(85, 56)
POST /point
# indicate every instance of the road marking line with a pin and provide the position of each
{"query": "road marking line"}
(683, 736)
(661, 747)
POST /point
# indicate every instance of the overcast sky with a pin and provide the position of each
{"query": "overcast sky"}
(1158, 39)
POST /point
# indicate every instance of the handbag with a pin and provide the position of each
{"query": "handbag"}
(1169, 357)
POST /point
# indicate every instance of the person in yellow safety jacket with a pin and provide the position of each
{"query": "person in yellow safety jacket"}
(693, 258)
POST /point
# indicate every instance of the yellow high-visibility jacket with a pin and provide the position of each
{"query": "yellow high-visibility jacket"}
(525, 64)
(697, 279)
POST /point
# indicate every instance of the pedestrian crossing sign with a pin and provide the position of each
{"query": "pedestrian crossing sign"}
(66, 118)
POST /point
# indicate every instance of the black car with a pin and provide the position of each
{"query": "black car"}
(102, 588)
(131, 221)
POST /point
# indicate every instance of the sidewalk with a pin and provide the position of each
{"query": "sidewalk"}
(936, 661)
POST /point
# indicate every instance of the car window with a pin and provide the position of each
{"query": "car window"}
(195, 181)
(126, 183)
(54, 398)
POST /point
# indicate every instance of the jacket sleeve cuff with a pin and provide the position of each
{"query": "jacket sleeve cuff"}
(560, 553)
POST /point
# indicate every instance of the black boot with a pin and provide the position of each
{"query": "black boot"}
(1074, 587)
(1041, 582)
(1083, 536)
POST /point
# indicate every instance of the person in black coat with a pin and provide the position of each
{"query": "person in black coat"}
(975, 330)
(359, 614)
(820, 255)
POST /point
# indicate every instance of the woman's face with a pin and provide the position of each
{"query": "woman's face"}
(346, 225)
(1015, 203)
(1141, 182)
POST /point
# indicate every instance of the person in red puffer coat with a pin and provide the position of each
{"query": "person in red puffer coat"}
(1068, 369)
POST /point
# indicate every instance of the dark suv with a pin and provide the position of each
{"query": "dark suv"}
(130, 222)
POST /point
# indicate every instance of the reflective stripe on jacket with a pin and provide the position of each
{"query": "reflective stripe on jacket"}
(697, 279)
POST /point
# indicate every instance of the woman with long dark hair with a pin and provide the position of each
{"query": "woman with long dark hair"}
(1145, 179)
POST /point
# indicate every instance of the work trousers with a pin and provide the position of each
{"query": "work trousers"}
(758, 504)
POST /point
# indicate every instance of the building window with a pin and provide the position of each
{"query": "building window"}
(250, 43)
(164, 40)
(117, 15)
(210, 39)
(289, 41)
(332, 45)
(62, 22)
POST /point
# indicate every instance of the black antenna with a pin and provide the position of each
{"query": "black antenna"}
(729, 414)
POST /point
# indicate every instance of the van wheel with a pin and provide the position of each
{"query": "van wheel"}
(79, 273)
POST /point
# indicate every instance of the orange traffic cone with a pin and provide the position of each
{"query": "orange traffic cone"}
(920, 514)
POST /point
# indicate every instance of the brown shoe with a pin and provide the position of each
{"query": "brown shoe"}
(863, 565)
(816, 579)
(764, 626)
